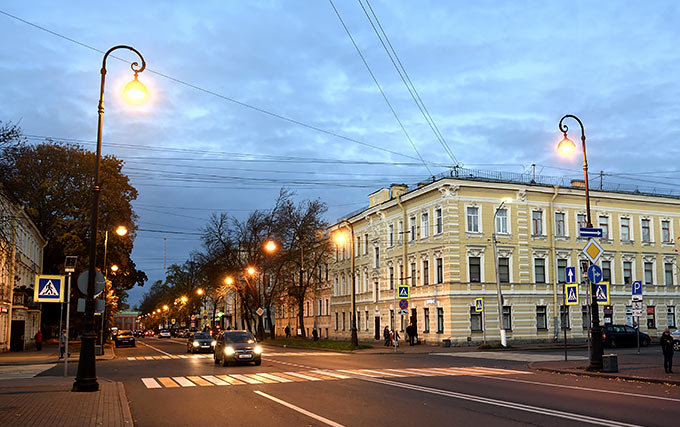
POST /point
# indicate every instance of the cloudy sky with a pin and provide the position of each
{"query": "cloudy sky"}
(247, 97)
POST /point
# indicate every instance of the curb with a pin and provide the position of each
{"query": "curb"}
(604, 375)
(124, 405)
(315, 348)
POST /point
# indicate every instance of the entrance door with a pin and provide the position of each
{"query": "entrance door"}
(414, 319)
(377, 327)
(16, 342)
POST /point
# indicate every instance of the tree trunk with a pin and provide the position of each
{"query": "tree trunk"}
(301, 316)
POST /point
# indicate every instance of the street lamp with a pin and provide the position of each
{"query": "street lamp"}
(121, 230)
(341, 239)
(270, 246)
(499, 294)
(86, 378)
(567, 147)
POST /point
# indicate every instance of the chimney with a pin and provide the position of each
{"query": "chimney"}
(398, 189)
(578, 183)
(378, 197)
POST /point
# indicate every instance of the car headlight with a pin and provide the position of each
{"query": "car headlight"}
(229, 351)
(257, 349)
(196, 343)
(213, 343)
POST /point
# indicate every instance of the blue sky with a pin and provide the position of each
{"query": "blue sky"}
(495, 77)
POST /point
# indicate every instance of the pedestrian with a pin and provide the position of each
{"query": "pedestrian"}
(287, 330)
(667, 349)
(396, 337)
(411, 332)
(315, 335)
(38, 341)
(62, 344)
(386, 335)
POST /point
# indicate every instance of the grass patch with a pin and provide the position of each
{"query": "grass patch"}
(331, 345)
(496, 346)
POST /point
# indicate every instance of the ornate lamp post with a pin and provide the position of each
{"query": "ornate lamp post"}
(567, 147)
(86, 378)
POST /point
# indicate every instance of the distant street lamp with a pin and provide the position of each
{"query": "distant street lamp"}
(86, 378)
(567, 147)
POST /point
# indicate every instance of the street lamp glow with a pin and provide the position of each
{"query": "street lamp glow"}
(158, 311)
(165, 308)
(270, 246)
(135, 91)
(199, 291)
(229, 281)
(566, 147)
(251, 270)
(184, 299)
(114, 268)
(121, 230)
(340, 238)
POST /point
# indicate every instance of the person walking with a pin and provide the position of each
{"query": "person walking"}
(38, 341)
(386, 335)
(411, 332)
(62, 344)
(667, 349)
(287, 331)
(396, 337)
(315, 335)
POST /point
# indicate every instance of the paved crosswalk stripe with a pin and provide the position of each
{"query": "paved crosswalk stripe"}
(403, 373)
(245, 379)
(173, 356)
(214, 380)
(358, 372)
(150, 383)
(230, 380)
(323, 377)
(424, 371)
(332, 374)
(289, 377)
(167, 382)
(131, 358)
(184, 382)
(381, 373)
(494, 371)
(455, 371)
(182, 356)
(303, 376)
(148, 357)
(198, 380)
(260, 378)
(165, 357)
(277, 378)
(158, 357)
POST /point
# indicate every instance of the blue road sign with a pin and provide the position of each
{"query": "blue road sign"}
(571, 274)
(403, 304)
(590, 232)
(479, 305)
(571, 293)
(49, 288)
(637, 287)
(594, 273)
(602, 293)
(403, 292)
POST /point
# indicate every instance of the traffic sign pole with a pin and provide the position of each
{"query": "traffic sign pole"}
(564, 302)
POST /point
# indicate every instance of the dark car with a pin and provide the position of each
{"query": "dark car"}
(237, 347)
(200, 341)
(623, 336)
(124, 338)
(676, 339)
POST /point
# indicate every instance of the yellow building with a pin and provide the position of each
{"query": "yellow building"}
(438, 239)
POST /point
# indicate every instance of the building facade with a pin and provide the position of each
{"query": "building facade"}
(127, 321)
(316, 310)
(438, 239)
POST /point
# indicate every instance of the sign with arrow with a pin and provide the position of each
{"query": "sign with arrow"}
(602, 293)
(590, 232)
(571, 293)
(594, 273)
(571, 274)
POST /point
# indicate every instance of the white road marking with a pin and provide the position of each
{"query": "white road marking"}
(152, 347)
(131, 358)
(502, 403)
(381, 373)
(274, 377)
(331, 374)
(303, 376)
(214, 380)
(148, 357)
(150, 383)
(184, 382)
(166, 357)
(358, 373)
(508, 355)
(300, 410)
(245, 379)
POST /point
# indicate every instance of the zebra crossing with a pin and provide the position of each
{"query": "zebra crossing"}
(316, 375)
(210, 356)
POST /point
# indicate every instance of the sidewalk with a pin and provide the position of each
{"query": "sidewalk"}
(49, 401)
(634, 367)
(49, 354)
(404, 348)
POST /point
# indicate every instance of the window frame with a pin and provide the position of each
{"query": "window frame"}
(424, 225)
(479, 269)
(542, 311)
(472, 219)
(537, 226)
(439, 221)
(536, 267)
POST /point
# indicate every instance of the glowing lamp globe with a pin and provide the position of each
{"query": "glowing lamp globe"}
(566, 147)
(135, 91)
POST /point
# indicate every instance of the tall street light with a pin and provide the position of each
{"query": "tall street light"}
(504, 342)
(567, 147)
(341, 239)
(121, 230)
(86, 378)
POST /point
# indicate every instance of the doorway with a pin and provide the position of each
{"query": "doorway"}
(377, 328)
(16, 342)
(414, 318)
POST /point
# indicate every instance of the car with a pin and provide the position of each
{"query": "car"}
(676, 339)
(623, 336)
(149, 333)
(124, 338)
(200, 341)
(237, 347)
(164, 334)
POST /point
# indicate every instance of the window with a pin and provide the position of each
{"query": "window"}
(424, 225)
(504, 270)
(670, 317)
(665, 231)
(344, 320)
(668, 273)
(607, 271)
(507, 318)
(390, 237)
(328, 302)
(440, 320)
(377, 257)
(625, 229)
(581, 220)
(651, 321)
(604, 225)
(391, 273)
(336, 320)
(401, 275)
(366, 316)
(392, 319)
(475, 320)
(440, 270)
(645, 231)
(439, 221)
(537, 223)
(475, 273)
(539, 270)
(414, 228)
(627, 272)
(585, 316)
(357, 249)
(358, 319)
(502, 221)
(560, 229)
(400, 232)
(561, 271)
(564, 316)
(366, 244)
(541, 317)
(649, 273)
(473, 220)
(426, 272)
(413, 274)
(426, 319)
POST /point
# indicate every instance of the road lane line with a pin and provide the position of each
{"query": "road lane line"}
(150, 383)
(275, 377)
(357, 372)
(245, 379)
(184, 382)
(424, 371)
(402, 373)
(494, 371)
(503, 403)
(214, 380)
(198, 380)
(300, 410)
(167, 382)
(303, 376)
(230, 380)
(381, 373)
(154, 348)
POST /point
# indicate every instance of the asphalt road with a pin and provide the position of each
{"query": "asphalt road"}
(167, 386)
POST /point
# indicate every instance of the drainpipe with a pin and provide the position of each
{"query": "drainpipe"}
(553, 257)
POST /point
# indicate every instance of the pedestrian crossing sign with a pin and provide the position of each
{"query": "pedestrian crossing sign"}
(48, 288)
(571, 293)
(479, 305)
(403, 292)
(602, 293)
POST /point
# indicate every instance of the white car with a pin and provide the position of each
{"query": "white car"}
(164, 334)
(676, 339)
